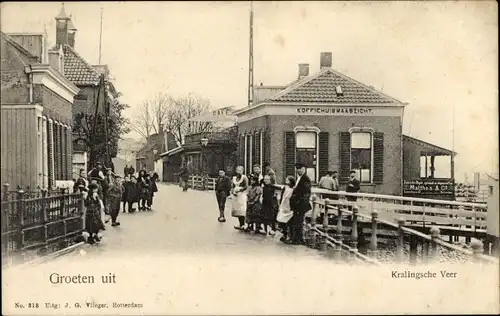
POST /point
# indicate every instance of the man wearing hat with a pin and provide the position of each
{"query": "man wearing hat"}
(300, 203)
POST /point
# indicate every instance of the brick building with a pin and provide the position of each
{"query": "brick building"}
(330, 122)
(86, 77)
(36, 113)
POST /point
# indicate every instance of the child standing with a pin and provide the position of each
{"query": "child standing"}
(133, 196)
(144, 187)
(269, 205)
(254, 206)
(115, 192)
(93, 222)
(285, 212)
(127, 188)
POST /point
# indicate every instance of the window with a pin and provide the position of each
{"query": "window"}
(306, 152)
(361, 155)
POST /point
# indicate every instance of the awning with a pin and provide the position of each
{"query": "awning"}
(428, 148)
(172, 151)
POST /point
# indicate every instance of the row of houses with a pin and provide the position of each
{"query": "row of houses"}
(328, 121)
(43, 89)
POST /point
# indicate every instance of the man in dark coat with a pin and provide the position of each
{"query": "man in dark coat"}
(184, 176)
(125, 171)
(300, 203)
(353, 186)
(222, 191)
(131, 170)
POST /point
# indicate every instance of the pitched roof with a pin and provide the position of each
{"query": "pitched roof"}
(18, 46)
(77, 69)
(322, 88)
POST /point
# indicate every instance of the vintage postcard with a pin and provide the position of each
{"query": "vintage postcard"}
(249, 158)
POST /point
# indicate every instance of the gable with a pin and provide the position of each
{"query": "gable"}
(77, 70)
(14, 56)
(322, 88)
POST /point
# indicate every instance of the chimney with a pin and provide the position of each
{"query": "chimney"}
(62, 27)
(54, 59)
(71, 33)
(303, 70)
(325, 60)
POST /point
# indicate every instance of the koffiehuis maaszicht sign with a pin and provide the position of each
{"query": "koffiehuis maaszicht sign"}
(428, 187)
(335, 110)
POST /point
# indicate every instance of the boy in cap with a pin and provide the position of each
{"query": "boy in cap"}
(115, 192)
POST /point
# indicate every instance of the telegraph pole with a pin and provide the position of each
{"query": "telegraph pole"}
(100, 39)
(250, 59)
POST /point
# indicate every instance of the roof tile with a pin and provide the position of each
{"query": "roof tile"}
(77, 69)
(321, 88)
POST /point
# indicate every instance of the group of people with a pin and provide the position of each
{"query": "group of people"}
(256, 206)
(105, 192)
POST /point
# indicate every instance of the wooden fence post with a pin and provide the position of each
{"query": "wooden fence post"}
(433, 249)
(354, 234)
(413, 249)
(312, 231)
(83, 195)
(62, 207)
(21, 212)
(5, 195)
(477, 249)
(400, 245)
(324, 245)
(339, 236)
(45, 217)
(372, 252)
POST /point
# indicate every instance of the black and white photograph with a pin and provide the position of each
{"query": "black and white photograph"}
(249, 157)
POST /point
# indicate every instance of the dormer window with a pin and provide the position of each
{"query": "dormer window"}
(338, 90)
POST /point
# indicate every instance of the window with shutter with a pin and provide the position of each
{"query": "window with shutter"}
(289, 155)
(323, 153)
(378, 157)
(241, 151)
(306, 152)
(345, 156)
(50, 141)
(248, 154)
(266, 156)
(361, 156)
(256, 149)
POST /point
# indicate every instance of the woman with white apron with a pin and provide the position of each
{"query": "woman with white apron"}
(239, 192)
(285, 212)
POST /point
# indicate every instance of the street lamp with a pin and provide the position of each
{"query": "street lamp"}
(204, 143)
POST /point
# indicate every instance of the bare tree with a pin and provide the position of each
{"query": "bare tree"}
(175, 113)
(180, 113)
(150, 115)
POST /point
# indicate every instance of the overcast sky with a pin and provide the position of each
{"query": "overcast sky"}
(435, 56)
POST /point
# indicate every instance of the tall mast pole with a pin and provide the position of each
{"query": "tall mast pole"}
(100, 40)
(250, 61)
(453, 151)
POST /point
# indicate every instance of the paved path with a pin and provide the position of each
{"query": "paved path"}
(186, 222)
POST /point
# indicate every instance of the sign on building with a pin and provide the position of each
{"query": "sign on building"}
(427, 187)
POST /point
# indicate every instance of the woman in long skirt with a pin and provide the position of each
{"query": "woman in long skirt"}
(239, 193)
(93, 222)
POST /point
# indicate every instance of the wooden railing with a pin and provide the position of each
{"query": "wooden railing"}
(346, 239)
(201, 183)
(384, 228)
(36, 226)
